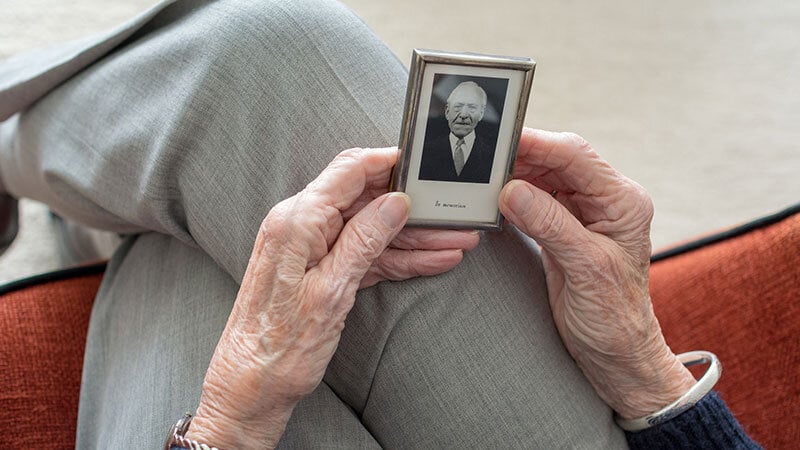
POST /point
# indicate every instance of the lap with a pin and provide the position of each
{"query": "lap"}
(471, 358)
(467, 358)
(189, 133)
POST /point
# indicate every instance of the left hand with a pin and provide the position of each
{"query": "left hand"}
(595, 238)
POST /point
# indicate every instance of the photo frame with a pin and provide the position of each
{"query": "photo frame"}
(461, 127)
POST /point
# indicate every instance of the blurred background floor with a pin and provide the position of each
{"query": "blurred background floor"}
(697, 101)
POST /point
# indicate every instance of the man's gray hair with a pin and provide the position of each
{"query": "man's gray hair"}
(465, 85)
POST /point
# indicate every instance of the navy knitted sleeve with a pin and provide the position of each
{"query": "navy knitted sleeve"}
(708, 425)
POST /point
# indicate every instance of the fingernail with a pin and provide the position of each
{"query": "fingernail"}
(394, 209)
(519, 198)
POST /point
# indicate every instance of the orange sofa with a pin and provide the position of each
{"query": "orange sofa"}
(736, 294)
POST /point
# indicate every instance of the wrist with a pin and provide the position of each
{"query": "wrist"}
(687, 400)
(654, 387)
(642, 381)
(212, 427)
(241, 406)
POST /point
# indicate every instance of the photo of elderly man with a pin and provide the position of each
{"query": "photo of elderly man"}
(460, 146)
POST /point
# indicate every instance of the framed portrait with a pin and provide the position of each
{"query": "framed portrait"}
(461, 127)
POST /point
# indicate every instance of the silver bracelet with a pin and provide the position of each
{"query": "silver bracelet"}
(177, 436)
(687, 400)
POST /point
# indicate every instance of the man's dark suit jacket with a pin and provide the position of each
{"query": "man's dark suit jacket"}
(437, 161)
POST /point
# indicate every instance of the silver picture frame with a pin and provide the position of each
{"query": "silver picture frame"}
(447, 190)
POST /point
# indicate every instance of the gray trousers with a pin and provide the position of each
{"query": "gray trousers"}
(181, 129)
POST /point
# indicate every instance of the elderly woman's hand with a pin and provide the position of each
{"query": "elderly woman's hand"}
(311, 255)
(593, 225)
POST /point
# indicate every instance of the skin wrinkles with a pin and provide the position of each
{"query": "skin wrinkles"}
(280, 234)
(307, 263)
(411, 238)
(464, 108)
(350, 173)
(595, 247)
(612, 185)
(419, 262)
(550, 216)
(368, 196)
(554, 162)
(323, 225)
(593, 238)
(398, 267)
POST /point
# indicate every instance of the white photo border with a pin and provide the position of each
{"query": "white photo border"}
(447, 204)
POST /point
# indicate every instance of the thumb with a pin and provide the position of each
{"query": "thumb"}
(366, 236)
(540, 216)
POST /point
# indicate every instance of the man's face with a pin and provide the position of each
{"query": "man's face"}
(464, 110)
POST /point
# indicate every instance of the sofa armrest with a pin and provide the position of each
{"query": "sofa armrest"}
(737, 294)
(43, 325)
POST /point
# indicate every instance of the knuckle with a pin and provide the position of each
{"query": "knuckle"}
(366, 240)
(409, 267)
(550, 219)
(641, 213)
(576, 141)
(646, 202)
(276, 220)
(292, 227)
(349, 155)
(407, 239)
(642, 204)
(399, 266)
(403, 266)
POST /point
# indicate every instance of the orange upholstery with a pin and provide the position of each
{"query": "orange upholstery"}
(42, 337)
(740, 298)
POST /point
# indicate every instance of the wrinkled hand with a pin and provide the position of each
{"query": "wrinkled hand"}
(595, 239)
(312, 253)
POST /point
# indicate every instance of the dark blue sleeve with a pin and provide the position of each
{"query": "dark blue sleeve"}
(708, 425)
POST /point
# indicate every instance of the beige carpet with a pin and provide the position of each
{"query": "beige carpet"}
(697, 101)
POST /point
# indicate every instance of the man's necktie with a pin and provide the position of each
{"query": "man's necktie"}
(458, 156)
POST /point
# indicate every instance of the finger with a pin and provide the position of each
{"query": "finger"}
(349, 174)
(540, 216)
(601, 198)
(300, 227)
(429, 239)
(398, 265)
(316, 211)
(563, 161)
(362, 240)
(370, 193)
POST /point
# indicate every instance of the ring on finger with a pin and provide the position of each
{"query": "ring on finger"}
(554, 192)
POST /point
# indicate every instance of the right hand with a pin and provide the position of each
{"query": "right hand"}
(312, 253)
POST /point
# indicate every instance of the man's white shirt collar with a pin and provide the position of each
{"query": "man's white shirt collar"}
(469, 140)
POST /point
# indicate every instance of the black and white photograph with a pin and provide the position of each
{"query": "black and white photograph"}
(461, 133)
(462, 122)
